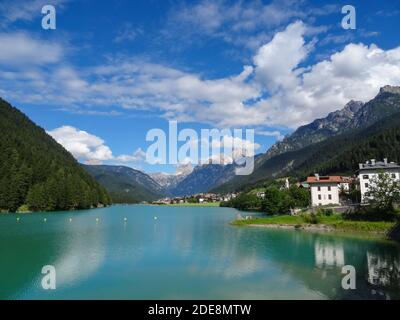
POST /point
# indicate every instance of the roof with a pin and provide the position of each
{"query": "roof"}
(378, 165)
(326, 179)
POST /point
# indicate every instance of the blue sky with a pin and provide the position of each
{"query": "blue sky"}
(112, 70)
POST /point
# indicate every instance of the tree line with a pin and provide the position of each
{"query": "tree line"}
(37, 173)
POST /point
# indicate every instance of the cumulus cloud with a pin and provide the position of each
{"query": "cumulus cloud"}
(355, 73)
(82, 145)
(89, 148)
(20, 49)
(277, 89)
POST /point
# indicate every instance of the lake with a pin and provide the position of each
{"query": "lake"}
(165, 252)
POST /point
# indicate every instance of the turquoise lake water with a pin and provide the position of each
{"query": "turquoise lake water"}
(186, 253)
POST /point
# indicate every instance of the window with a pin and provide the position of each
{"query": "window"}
(330, 197)
(365, 176)
(319, 197)
(393, 175)
(329, 188)
(319, 188)
(366, 185)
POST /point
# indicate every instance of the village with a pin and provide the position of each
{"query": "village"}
(332, 191)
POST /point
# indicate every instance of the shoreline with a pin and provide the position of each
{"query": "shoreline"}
(332, 224)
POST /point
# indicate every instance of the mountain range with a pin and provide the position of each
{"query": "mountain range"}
(37, 172)
(334, 144)
(322, 145)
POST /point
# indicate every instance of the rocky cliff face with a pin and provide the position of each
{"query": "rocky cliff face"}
(354, 115)
(318, 130)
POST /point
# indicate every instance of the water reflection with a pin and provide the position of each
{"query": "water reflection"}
(188, 253)
(328, 255)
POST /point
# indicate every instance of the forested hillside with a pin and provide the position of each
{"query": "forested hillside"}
(339, 155)
(38, 173)
(335, 144)
(124, 184)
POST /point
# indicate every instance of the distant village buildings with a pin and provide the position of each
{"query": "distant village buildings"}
(197, 198)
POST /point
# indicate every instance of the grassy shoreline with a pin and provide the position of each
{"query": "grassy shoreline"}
(326, 223)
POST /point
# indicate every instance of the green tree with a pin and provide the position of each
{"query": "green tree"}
(276, 201)
(384, 192)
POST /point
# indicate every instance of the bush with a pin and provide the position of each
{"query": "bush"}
(324, 212)
(370, 213)
(310, 218)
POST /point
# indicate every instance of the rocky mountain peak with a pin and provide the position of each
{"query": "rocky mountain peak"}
(390, 89)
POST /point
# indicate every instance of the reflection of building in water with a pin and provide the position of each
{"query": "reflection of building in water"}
(328, 255)
(381, 271)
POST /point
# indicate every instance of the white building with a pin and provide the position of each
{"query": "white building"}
(325, 190)
(371, 169)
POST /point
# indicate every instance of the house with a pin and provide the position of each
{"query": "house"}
(370, 170)
(260, 195)
(325, 190)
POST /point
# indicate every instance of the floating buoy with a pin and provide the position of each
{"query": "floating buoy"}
(70, 219)
(125, 219)
(44, 220)
(155, 218)
(17, 219)
(97, 219)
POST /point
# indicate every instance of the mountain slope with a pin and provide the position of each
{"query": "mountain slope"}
(348, 123)
(37, 171)
(126, 185)
(203, 178)
(338, 155)
(335, 123)
(169, 181)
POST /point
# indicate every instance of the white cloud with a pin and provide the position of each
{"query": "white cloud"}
(276, 61)
(277, 134)
(20, 49)
(89, 148)
(83, 145)
(277, 90)
(355, 73)
(138, 156)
